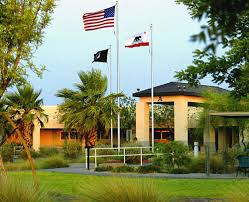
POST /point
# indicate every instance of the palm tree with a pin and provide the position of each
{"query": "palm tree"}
(24, 107)
(5, 128)
(87, 109)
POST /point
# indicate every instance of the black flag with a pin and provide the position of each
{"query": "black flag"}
(101, 56)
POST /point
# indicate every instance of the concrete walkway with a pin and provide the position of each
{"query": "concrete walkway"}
(80, 169)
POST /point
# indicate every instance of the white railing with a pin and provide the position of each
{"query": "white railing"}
(119, 154)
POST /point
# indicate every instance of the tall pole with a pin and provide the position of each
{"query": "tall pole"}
(152, 87)
(118, 71)
(207, 146)
(110, 77)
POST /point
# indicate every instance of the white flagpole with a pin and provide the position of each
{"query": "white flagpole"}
(118, 71)
(152, 89)
(110, 77)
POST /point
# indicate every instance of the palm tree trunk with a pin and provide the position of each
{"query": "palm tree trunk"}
(31, 162)
(27, 132)
(2, 169)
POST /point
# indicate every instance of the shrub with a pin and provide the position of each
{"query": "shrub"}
(198, 165)
(122, 190)
(103, 168)
(50, 162)
(48, 151)
(158, 161)
(134, 159)
(149, 169)
(53, 162)
(7, 152)
(124, 169)
(216, 164)
(174, 154)
(179, 171)
(72, 149)
(17, 166)
(13, 190)
(232, 154)
(105, 151)
(33, 153)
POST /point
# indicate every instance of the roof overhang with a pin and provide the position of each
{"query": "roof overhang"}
(230, 114)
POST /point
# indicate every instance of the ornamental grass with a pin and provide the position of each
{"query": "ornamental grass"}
(121, 190)
(15, 191)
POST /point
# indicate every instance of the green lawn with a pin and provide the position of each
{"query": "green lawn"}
(65, 184)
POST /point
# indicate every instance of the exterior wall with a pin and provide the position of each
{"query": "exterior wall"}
(181, 118)
(49, 134)
(51, 137)
(142, 123)
(53, 122)
(36, 136)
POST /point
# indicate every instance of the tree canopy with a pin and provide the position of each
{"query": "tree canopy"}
(216, 102)
(127, 112)
(87, 108)
(22, 24)
(24, 107)
(164, 116)
(226, 25)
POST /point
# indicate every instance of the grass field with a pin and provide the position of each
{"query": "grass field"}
(66, 184)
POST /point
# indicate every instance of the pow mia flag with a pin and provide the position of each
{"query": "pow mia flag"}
(101, 56)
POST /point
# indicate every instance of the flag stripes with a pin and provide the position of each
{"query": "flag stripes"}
(98, 20)
(138, 45)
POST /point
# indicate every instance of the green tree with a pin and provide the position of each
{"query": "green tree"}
(227, 25)
(175, 154)
(22, 25)
(164, 116)
(128, 112)
(224, 102)
(25, 107)
(5, 128)
(87, 109)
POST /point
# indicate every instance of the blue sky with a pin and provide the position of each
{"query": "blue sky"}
(68, 49)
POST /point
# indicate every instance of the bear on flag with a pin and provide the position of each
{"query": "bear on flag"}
(141, 39)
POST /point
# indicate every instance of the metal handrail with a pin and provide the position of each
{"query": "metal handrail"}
(115, 148)
(124, 154)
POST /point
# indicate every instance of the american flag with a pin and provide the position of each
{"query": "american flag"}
(100, 19)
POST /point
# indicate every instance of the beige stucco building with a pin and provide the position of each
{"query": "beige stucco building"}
(186, 104)
(186, 101)
(52, 133)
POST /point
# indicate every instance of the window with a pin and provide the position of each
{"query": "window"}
(157, 135)
(163, 135)
(74, 135)
(64, 135)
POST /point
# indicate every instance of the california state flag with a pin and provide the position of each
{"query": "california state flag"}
(138, 40)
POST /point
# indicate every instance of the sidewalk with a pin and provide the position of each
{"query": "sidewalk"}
(80, 169)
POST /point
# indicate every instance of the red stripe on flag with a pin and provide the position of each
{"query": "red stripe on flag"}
(98, 25)
(87, 15)
(93, 16)
(99, 21)
(106, 26)
(93, 19)
(138, 45)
